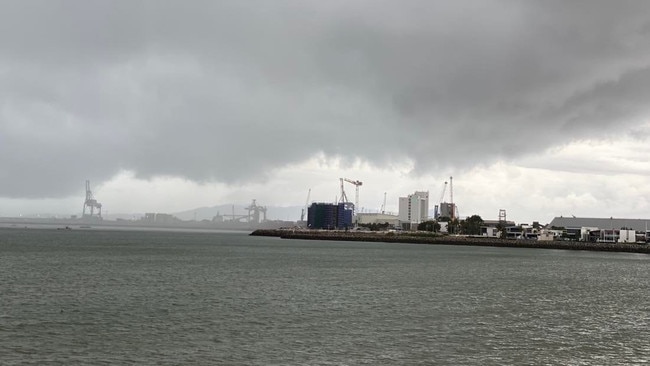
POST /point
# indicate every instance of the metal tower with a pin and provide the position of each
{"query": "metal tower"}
(502, 216)
(91, 204)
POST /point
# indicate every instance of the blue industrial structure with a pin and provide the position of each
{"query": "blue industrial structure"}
(330, 215)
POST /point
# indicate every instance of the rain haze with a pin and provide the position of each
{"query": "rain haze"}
(537, 107)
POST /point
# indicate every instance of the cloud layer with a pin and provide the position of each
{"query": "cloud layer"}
(223, 91)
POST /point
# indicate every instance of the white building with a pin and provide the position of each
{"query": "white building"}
(545, 235)
(377, 218)
(489, 231)
(627, 236)
(414, 208)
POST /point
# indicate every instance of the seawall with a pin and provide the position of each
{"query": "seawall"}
(416, 238)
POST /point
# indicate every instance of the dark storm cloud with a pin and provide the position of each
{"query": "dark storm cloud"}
(228, 91)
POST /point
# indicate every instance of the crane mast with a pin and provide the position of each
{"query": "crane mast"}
(357, 183)
(451, 197)
(438, 207)
(304, 209)
(344, 197)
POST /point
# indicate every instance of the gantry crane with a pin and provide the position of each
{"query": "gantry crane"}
(254, 211)
(92, 204)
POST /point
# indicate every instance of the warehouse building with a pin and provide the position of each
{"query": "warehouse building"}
(602, 229)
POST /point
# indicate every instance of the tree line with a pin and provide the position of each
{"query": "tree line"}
(469, 226)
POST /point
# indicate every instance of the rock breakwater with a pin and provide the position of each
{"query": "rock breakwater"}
(431, 239)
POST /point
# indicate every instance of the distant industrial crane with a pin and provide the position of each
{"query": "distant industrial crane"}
(232, 217)
(451, 197)
(356, 183)
(254, 213)
(344, 197)
(92, 204)
(442, 195)
(438, 206)
(453, 210)
(305, 208)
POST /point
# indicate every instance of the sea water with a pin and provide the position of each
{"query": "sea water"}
(93, 297)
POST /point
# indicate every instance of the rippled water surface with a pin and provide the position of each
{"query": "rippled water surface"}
(130, 297)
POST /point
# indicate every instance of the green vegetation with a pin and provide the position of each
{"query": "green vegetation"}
(471, 225)
(429, 226)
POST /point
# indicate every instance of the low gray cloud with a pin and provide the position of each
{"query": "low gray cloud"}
(228, 91)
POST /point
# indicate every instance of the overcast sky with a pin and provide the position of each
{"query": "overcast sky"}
(537, 107)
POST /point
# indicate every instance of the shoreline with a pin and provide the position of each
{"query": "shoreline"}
(81, 223)
(428, 239)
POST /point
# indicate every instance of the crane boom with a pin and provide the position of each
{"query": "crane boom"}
(442, 195)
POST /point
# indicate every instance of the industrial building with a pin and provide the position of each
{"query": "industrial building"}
(446, 209)
(602, 223)
(160, 218)
(414, 209)
(378, 218)
(602, 229)
(330, 215)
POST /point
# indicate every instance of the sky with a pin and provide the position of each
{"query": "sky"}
(536, 107)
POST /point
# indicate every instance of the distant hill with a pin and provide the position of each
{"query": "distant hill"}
(291, 213)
